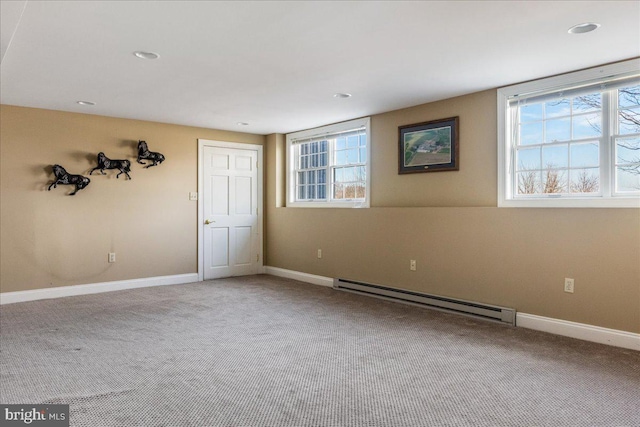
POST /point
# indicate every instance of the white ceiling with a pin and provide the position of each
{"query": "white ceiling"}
(276, 65)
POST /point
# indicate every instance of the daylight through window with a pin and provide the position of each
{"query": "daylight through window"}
(579, 143)
(328, 166)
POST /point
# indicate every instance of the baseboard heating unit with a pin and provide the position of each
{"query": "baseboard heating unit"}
(484, 311)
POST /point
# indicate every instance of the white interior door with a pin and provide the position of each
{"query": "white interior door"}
(231, 231)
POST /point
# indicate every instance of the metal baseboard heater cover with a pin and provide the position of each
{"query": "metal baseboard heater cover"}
(484, 311)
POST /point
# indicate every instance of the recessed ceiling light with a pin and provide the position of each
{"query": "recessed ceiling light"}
(342, 95)
(86, 103)
(583, 28)
(243, 124)
(146, 55)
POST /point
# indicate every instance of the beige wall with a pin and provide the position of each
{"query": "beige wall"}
(448, 221)
(464, 245)
(50, 239)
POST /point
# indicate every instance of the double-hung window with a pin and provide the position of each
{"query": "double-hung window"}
(329, 166)
(571, 140)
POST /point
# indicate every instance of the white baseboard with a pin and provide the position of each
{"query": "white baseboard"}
(296, 275)
(580, 331)
(94, 288)
(565, 328)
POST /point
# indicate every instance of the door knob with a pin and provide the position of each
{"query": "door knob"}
(207, 222)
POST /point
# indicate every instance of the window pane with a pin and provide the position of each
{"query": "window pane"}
(554, 181)
(363, 155)
(352, 141)
(629, 121)
(587, 103)
(304, 149)
(628, 178)
(585, 180)
(529, 113)
(528, 159)
(529, 182)
(557, 130)
(357, 174)
(361, 173)
(311, 177)
(354, 174)
(322, 176)
(629, 96)
(302, 178)
(301, 192)
(323, 159)
(531, 133)
(341, 157)
(338, 191)
(584, 155)
(348, 174)
(628, 150)
(363, 140)
(556, 156)
(587, 126)
(338, 175)
(341, 143)
(561, 107)
(311, 192)
(360, 191)
(322, 192)
(352, 156)
(348, 191)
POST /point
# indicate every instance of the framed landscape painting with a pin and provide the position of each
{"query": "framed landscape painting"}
(429, 146)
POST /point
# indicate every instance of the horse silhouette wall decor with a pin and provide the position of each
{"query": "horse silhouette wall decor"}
(124, 166)
(145, 154)
(65, 178)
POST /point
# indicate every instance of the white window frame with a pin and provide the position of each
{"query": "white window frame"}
(506, 148)
(316, 132)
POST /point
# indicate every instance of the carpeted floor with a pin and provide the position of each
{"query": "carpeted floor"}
(266, 351)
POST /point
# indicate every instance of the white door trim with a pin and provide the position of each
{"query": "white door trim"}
(238, 146)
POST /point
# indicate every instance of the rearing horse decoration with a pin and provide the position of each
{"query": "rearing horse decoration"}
(124, 166)
(63, 177)
(145, 154)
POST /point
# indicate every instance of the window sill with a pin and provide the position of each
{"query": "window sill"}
(350, 204)
(612, 202)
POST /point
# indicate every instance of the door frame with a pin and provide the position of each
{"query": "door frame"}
(237, 146)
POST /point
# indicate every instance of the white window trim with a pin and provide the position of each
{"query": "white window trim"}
(505, 191)
(333, 128)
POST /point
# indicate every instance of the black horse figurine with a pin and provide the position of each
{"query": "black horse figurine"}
(124, 166)
(63, 177)
(145, 154)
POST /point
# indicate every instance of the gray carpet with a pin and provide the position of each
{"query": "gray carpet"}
(265, 351)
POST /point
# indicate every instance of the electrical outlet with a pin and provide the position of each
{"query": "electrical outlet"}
(568, 285)
(412, 265)
(319, 253)
(193, 195)
(112, 257)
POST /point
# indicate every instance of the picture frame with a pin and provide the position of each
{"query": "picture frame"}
(429, 146)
